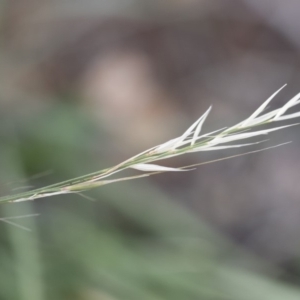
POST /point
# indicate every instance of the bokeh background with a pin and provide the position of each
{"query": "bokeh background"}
(86, 84)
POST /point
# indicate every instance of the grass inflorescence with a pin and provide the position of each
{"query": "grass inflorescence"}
(189, 142)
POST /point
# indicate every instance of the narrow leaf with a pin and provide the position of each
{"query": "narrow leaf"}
(199, 126)
(210, 134)
(262, 119)
(247, 135)
(167, 145)
(154, 168)
(207, 148)
(291, 116)
(188, 131)
(261, 108)
(288, 105)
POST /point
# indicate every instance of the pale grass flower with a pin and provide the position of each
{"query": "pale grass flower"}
(189, 142)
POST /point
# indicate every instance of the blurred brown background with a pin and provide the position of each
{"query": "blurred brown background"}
(141, 72)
